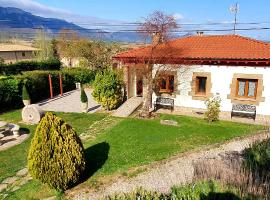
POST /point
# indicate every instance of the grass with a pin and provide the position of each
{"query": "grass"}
(14, 159)
(202, 190)
(135, 142)
(124, 145)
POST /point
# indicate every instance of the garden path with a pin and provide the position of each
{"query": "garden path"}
(163, 175)
(69, 102)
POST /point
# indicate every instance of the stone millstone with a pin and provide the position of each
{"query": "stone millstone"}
(31, 114)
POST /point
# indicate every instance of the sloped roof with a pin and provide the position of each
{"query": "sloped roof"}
(204, 47)
(16, 47)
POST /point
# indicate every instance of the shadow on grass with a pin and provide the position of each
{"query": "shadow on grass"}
(219, 196)
(96, 156)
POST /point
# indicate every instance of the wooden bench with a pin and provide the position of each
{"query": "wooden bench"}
(244, 110)
(164, 102)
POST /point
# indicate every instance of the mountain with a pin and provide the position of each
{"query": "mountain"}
(14, 21)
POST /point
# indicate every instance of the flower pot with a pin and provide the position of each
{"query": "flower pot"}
(84, 106)
(26, 102)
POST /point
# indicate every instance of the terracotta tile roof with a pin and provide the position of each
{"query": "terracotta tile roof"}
(16, 47)
(206, 47)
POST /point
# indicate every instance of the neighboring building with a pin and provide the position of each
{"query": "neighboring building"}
(195, 68)
(13, 52)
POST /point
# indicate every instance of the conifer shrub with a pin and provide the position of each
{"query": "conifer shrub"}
(56, 155)
(83, 96)
(25, 94)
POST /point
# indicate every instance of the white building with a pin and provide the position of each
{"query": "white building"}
(192, 69)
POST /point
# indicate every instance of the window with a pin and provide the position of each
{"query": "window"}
(23, 54)
(247, 88)
(166, 84)
(200, 85)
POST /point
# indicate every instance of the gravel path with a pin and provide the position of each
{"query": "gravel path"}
(174, 171)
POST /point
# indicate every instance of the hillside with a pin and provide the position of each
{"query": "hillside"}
(14, 21)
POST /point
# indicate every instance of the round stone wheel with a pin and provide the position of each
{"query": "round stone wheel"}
(32, 114)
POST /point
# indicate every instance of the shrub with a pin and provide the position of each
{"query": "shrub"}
(81, 75)
(258, 157)
(213, 109)
(108, 89)
(19, 67)
(25, 94)
(56, 155)
(37, 84)
(83, 96)
(10, 95)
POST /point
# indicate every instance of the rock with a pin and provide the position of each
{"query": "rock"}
(32, 114)
(169, 122)
(22, 172)
(10, 180)
(3, 186)
(14, 129)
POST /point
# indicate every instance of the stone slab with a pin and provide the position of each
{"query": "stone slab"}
(3, 186)
(22, 172)
(10, 180)
(169, 122)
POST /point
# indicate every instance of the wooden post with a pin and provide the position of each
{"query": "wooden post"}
(61, 84)
(50, 83)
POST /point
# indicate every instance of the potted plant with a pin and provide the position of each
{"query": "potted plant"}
(84, 100)
(25, 96)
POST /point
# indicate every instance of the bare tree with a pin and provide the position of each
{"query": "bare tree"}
(158, 27)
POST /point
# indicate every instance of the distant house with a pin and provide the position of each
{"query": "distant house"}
(13, 52)
(192, 69)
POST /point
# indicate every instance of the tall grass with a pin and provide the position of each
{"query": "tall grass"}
(247, 172)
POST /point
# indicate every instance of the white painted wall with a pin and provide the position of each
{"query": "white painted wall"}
(221, 78)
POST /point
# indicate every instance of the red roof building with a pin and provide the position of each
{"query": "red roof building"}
(203, 49)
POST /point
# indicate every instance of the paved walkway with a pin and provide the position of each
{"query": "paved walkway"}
(128, 107)
(163, 175)
(11, 184)
(69, 102)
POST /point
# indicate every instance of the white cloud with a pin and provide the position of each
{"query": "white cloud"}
(35, 8)
(52, 12)
(178, 16)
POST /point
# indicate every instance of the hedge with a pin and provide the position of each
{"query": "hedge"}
(37, 84)
(19, 67)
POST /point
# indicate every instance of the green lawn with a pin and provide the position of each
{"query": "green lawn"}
(135, 142)
(14, 159)
(126, 144)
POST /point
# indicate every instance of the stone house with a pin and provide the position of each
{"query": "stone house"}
(192, 69)
(13, 52)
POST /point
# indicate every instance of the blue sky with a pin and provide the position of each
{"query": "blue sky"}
(86, 12)
(196, 10)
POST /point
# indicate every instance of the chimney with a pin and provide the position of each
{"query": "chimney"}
(199, 33)
(157, 38)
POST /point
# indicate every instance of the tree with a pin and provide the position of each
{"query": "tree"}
(92, 54)
(157, 26)
(56, 155)
(42, 42)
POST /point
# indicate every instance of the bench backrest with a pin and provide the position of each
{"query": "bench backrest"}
(164, 100)
(244, 107)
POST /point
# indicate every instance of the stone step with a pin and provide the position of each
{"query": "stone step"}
(128, 107)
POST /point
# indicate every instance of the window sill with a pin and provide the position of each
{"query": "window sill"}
(201, 97)
(245, 99)
(167, 94)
